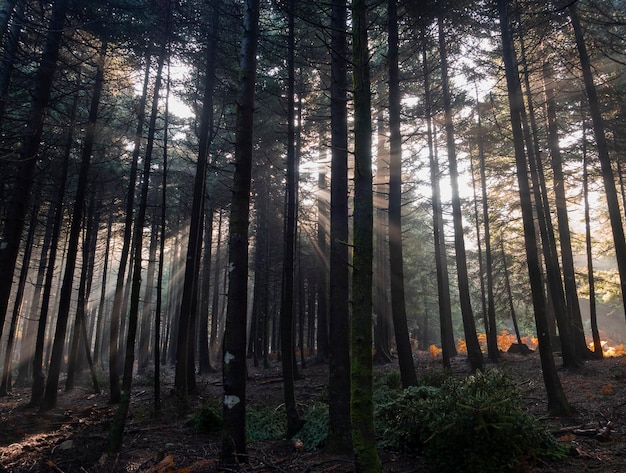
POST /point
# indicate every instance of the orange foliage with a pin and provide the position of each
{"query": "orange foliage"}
(609, 349)
(434, 351)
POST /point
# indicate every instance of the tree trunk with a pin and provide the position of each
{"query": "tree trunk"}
(287, 306)
(9, 56)
(398, 305)
(322, 269)
(593, 310)
(204, 357)
(118, 306)
(38, 357)
(27, 166)
(160, 270)
(5, 384)
(146, 318)
(441, 261)
(382, 307)
(509, 294)
(474, 353)
(492, 336)
(339, 440)
(569, 273)
(30, 328)
(562, 311)
(90, 237)
(56, 357)
(557, 402)
(185, 381)
(362, 407)
(119, 421)
(103, 294)
(608, 177)
(234, 347)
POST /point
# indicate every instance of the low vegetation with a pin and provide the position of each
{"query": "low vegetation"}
(477, 423)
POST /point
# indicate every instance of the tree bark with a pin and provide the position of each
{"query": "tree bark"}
(118, 297)
(492, 336)
(27, 166)
(322, 269)
(119, 421)
(593, 310)
(396, 263)
(56, 357)
(287, 307)
(557, 402)
(474, 352)
(441, 261)
(608, 177)
(565, 239)
(362, 407)
(5, 384)
(185, 381)
(339, 440)
(234, 345)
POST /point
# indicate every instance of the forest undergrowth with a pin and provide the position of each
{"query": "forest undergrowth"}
(505, 406)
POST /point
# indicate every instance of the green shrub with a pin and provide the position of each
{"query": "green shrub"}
(207, 419)
(472, 425)
(265, 423)
(315, 429)
(390, 380)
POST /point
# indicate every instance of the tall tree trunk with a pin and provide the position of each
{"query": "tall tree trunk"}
(608, 177)
(38, 357)
(396, 263)
(119, 421)
(322, 268)
(204, 357)
(184, 377)
(5, 384)
(27, 166)
(565, 239)
(557, 402)
(90, 236)
(287, 306)
(260, 265)
(474, 353)
(103, 294)
(339, 440)
(509, 296)
(215, 306)
(593, 310)
(147, 311)
(382, 307)
(118, 295)
(56, 357)
(545, 227)
(160, 270)
(29, 339)
(441, 261)
(362, 406)
(492, 336)
(234, 345)
(9, 56)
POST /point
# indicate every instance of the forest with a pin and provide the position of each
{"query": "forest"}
(388, 203)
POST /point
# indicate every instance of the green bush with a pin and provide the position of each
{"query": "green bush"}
(265, 423)
(471, 425)
(315, 429)
(206, 419)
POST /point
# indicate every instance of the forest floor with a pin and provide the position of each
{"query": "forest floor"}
(72, 437)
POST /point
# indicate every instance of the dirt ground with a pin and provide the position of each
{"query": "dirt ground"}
(72, 437)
